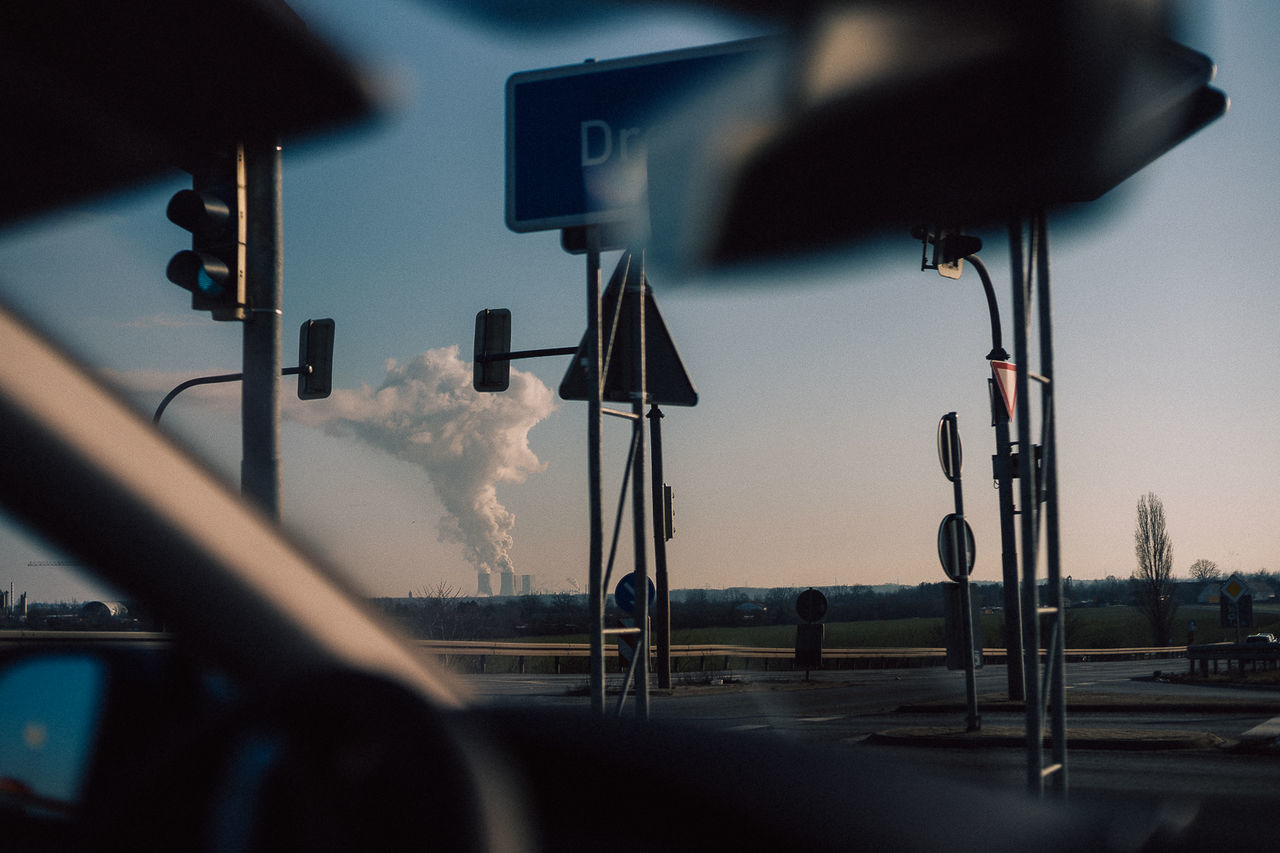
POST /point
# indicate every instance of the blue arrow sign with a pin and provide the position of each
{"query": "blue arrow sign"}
(624, 594)
(576, 134)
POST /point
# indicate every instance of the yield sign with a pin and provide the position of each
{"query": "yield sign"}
(666, 382)
(1006, 376)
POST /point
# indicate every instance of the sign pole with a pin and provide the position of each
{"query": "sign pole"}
(960, 559)
(637, 497)
(662, 613)
(595, 578)
(1008, 543)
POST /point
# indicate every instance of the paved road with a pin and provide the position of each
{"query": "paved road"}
(1217, 745)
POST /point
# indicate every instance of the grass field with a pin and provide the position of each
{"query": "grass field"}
(1087, 628)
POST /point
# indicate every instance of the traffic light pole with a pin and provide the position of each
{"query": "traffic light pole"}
(264, 268)
(492, 346)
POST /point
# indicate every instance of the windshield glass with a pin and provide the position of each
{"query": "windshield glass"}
(810, 457)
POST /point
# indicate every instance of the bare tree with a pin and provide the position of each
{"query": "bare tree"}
(441, 616)
(1153, 579)
(1205, 570)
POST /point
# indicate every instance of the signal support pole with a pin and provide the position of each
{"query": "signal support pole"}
(264, 286)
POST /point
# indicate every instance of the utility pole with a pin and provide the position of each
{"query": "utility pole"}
(260, 390)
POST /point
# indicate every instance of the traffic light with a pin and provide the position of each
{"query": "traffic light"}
(493, 338)
(213, 210)
(315, 359)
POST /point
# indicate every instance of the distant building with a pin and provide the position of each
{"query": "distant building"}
(484, 585)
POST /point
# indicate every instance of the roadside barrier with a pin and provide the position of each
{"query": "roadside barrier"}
(473, 655)
(699, 658)
(1255, 655)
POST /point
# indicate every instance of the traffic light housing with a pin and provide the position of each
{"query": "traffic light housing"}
(213, 210)
(315, 359)
(493, 338)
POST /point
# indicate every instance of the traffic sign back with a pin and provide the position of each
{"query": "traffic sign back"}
(946, 547)
(811, 605)
(949, 452)
(666, 382)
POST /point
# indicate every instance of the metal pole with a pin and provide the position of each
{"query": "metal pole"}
(264, 284)
(636, 284)
(1008, 545)
(1029, 501)
(595, 572)
(960, 566)
(662, 616)
(1057, 664)
(1004, 480)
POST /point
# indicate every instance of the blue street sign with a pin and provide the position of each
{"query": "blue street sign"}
(624, 594)
(576, 134)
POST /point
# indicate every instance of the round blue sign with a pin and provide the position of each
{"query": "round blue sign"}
(624, 594)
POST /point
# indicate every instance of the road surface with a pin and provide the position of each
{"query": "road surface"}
(1173, 741)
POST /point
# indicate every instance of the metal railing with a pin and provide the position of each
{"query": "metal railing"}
(878, 656)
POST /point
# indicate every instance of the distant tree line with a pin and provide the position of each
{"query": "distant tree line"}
(443, 613)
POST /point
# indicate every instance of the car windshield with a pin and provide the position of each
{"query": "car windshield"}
(806, 459)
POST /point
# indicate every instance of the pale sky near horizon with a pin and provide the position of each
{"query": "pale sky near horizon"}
(810, 458)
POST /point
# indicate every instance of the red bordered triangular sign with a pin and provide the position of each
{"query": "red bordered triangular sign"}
(1006, 376)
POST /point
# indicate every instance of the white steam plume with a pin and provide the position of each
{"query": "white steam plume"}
(427, 413)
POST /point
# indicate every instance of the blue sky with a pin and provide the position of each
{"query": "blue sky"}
(810, 459)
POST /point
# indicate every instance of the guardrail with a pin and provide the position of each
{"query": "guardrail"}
(723, 657)
(1260, 655)
(473, 655)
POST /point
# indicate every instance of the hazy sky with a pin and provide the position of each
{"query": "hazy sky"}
(810, 458)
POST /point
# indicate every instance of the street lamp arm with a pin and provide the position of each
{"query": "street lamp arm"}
(209, 380)
(998, 352)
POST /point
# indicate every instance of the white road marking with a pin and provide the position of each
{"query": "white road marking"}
(1269, 729)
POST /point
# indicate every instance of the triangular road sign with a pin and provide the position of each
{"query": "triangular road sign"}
(666, 382)
(1006, 376)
